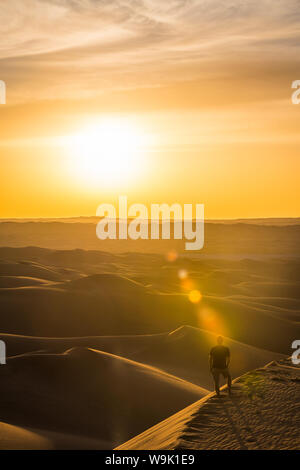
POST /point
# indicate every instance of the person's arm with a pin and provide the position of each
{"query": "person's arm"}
(228, 358)
(210, 360)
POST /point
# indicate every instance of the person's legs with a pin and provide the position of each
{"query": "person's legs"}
(229, 382)
(216, 376)
(227, 375)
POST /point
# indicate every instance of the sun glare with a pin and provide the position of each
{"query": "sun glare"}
(107, 153)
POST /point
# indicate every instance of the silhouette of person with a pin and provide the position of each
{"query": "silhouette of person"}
(219, 359)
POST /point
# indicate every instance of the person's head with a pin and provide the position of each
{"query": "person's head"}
(220, 340)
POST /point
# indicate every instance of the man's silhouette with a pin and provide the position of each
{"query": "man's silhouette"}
(219, 359)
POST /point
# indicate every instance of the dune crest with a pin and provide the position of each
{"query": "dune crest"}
(262, 413)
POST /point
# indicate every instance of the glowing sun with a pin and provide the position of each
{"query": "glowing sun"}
(108, 152)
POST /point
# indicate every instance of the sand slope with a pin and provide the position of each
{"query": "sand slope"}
(89, 394)
(263, 413)
(22, 438)
(184, 352)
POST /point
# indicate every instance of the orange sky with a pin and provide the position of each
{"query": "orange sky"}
(204, 89)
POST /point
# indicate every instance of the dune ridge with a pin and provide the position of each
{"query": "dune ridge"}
(182, 352)
(262, 413)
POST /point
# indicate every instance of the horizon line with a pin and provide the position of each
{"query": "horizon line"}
(132, 218)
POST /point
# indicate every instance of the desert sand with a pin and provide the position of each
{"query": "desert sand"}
(262, 413)
(104, 396)
(102, 346)
(89, 393)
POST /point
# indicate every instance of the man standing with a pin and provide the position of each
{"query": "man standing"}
(219, 359)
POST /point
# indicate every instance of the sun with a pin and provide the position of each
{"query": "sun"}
(108, 152)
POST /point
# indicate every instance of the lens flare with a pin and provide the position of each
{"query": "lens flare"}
(187, 285)
(210, 319)
(182, 274)
(172, 256)
(195, 296)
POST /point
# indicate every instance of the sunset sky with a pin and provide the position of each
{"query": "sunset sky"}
(163, 101)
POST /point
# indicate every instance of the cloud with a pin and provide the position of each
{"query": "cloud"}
(68, 47)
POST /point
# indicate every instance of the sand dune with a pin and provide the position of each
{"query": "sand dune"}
(15, 437)
(183, 352)
(90, 389)
(102, 308)
(102, 346)
(31, 270)
(89, 393)
(23, 438)
(110, 304)
(107, 283)
(262, 413)
(248, 323)
(124, 345)
(20, 281)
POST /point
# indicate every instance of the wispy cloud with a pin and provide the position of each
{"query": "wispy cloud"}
(72, 46)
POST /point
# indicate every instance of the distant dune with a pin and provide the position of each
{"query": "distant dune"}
(58, 310)
(81, 293)
(237, 238)
(20, 281)
(262, 413)
(105, 282)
